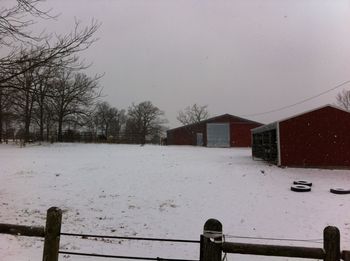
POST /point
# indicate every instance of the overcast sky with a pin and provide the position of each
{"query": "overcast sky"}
(239, 56)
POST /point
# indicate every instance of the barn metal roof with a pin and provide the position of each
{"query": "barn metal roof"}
(215, 118)
(273, 125)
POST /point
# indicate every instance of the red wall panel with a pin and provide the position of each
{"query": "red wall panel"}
(320, 138)
(239, 131)
(186, 136)
(241, 134)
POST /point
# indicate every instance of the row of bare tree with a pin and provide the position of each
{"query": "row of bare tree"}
(46, 98)
(44, 92)
(41, 78)
(42, 103)
(141, 123)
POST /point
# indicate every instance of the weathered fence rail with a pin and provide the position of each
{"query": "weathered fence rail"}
(22, 230)
(273, 250)
(212, 245)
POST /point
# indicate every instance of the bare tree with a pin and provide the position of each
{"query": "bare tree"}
(73, 95)
(24, 97)
(144, 121)
(343, 99)
(193, 114)
(109, 119)
(103, 117)
(43, 78)
(118, 123)
(7, 115)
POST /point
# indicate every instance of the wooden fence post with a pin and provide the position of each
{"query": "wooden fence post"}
(210, 246)
(52, 234)
(331, 243)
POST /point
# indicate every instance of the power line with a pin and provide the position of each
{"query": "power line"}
(299, 102)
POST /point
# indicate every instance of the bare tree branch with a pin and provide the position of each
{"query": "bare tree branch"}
(193, 114)
(15, 21)
(62, 52)
(343, 99)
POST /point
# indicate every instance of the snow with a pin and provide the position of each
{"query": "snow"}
(160, 191)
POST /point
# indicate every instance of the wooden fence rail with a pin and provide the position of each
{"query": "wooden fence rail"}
(212, 246)
(273, 250)
(22, 230)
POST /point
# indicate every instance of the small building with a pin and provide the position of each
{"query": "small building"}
(317, 138)
(222, 131)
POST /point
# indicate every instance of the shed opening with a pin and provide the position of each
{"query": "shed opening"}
(265, 145)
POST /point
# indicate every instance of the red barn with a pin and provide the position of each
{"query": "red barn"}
(221, 131)
(318, 138)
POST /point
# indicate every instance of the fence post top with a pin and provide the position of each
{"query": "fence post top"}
(213, 229)
(331, 230)
(213, 225)
(54, 209)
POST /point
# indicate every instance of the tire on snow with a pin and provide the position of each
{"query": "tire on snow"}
(300, 188)
(302, 182)
(340, 191)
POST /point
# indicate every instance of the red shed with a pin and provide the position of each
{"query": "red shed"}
(222, 131)
(318, 138)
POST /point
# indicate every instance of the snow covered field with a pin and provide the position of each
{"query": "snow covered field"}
(158, 191)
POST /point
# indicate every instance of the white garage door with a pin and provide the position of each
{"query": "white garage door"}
(218, 135)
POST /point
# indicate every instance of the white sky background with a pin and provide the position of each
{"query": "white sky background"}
(239, 56)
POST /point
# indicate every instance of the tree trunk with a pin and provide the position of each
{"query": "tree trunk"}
(60, 123)
(26, 118)
(143, 137)
(47, 129)
(117, 134)
(41, 138)
(106, 131)
(28, 109)
(1, 112)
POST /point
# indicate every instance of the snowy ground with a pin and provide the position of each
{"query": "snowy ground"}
(157, 191)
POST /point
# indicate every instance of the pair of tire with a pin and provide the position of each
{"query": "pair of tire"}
(305, 186)
(301, 186)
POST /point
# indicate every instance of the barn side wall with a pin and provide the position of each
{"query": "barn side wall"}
(316, 139)
(186, 135)
(241, 134)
